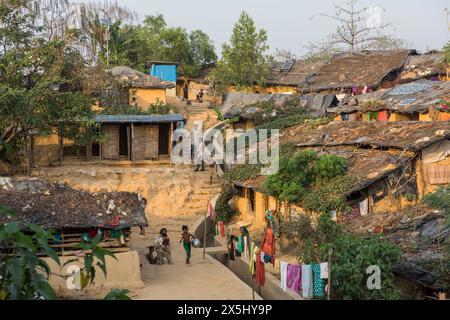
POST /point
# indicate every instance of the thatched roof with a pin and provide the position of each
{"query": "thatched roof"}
(423, 66)
(363, 68)
(365, 165)
(412, 135)
(245, 105)
(57, 206)
(136, 79)
(296, 74)
(413, 97)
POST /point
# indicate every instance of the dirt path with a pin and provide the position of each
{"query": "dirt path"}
(202, 279)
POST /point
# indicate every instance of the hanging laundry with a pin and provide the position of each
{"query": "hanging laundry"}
(116, 234)
(319, 286)
(222, 229)
(344, 116)
(268, 245)
(251, 265)
(382, 116)
(293, 277)
(92, 232)
(240, 244)
(283, 274)
(364, 207)
(245, 247)
(262, 255)
(307, 281)
(324, 270)
(260, 276)
(231, 248)
(268, 259)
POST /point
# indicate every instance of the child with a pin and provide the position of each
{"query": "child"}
(186, 237)
(150, 257)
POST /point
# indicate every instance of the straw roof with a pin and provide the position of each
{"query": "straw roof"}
(362, 68)
(57, 206)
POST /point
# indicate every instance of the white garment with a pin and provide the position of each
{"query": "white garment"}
(364, 207)
(262, 256)
(245, 246)
(324, 270)
(283, 274)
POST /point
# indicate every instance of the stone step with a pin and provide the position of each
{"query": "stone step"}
(200, 197)
(207, 191)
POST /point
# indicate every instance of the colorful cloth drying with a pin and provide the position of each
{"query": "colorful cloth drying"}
(324, 270)
(283, 274)
(307, 281)
(268, 245)
(319, 285)
(251, 265)
(260, 276)
(293, 277)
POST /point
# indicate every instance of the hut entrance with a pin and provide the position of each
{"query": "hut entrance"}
(123, 140)
(163, 145)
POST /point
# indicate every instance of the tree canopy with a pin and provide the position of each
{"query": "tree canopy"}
(244, 62)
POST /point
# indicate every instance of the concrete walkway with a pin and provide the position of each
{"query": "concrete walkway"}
(202, 279)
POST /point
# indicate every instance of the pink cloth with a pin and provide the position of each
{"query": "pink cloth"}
(293, 277)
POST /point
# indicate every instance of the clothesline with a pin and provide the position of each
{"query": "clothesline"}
(307, 280)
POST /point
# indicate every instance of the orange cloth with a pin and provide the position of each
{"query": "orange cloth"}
(260, 276)
(268, 245)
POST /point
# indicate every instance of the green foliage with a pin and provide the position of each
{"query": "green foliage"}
(155, 41)
(39, 81)
(158, 107)
(244, 62)
(319, 183)
(329, 166)
(440, 199)
(117, 294)
(328, 194)
(447, 53)
(282, 122)
(24, 273)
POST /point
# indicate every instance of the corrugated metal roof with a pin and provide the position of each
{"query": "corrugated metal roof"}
(156, 118)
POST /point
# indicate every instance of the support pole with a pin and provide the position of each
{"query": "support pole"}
(329, 274)
(204, 233)
(29, 154)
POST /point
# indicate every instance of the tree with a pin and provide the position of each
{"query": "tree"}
(447, 53)
(244, 61)
(357, 32)
(41, 83)
(159, 42)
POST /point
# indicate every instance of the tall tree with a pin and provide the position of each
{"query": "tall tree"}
(360, 28)
(244, 61)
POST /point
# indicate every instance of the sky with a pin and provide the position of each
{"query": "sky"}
(422, 23)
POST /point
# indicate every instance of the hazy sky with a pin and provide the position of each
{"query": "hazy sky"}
(422, 23)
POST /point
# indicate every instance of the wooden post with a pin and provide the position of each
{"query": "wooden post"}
(29, 154)
(60, 146)
(329, 274)
(170, 140)
(204, 233)
(100, 144)
(131, 144)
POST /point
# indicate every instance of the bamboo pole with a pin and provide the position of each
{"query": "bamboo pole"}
(204, 232)
(329, 274)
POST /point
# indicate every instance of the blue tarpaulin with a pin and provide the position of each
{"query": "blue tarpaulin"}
(164, 72)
